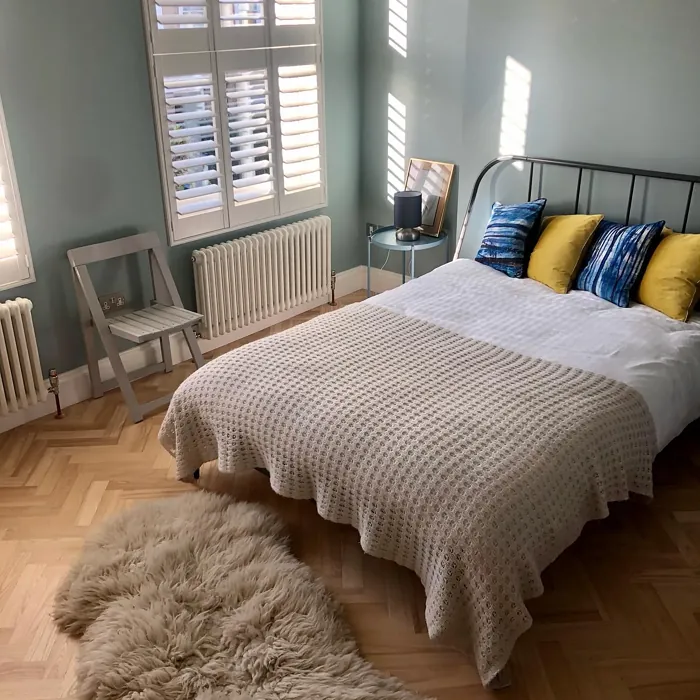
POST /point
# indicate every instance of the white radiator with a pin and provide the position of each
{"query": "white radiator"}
(256, 278)
(21, 379)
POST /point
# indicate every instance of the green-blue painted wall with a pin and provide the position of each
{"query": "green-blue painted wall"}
(74, 82)
(612, 82)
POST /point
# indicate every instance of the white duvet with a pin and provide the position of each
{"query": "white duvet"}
(642, 348)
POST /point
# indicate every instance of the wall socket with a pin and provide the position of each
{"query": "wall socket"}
(113, 302)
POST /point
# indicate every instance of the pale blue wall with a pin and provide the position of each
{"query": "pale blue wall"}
(74, 82)
(612, 82)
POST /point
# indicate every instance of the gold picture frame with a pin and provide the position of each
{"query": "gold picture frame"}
(434, 180)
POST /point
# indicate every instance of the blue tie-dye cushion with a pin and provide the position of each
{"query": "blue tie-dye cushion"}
(616, 260)
(509, 237)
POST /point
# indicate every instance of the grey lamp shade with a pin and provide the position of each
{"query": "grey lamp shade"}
(408, 208)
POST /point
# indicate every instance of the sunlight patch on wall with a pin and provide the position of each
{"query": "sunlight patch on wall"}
(516, 108)
(398, 26)
(397, 147)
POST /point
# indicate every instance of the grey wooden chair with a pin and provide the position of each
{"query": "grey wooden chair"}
(165, 317)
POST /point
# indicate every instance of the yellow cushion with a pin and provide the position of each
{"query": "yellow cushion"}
(560, 249)
(670, 282)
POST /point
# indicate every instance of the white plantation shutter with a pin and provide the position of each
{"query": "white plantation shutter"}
(180, 26)
(238, 92)
(15, 267)
(240, 25)
(192, 145)
(248, 114)
(299, 97)
(295, 22)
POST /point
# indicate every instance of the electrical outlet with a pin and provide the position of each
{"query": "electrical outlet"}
(371, 228)
(111, 303)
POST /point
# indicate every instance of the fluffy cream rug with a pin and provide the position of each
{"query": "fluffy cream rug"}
(199, 598)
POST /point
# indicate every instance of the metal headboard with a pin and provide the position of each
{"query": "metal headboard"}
(634, 173)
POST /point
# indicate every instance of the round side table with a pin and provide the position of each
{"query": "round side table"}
(386, 238)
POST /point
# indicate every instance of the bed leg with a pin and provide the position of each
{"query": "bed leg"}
(196, 475)
(502, 680)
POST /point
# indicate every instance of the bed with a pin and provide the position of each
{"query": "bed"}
(466, 424)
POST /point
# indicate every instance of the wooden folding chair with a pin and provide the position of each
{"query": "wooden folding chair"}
(165, 317)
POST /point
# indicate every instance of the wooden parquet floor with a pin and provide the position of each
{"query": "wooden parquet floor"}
(620, 618)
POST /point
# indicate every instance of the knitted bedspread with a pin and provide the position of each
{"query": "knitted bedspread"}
(469, 464)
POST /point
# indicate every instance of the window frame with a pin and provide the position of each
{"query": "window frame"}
(180, 233)
(19, 227)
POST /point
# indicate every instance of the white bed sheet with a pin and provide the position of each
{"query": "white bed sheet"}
(655, 355)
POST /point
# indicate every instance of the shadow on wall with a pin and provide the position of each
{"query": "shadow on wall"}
(562, 98)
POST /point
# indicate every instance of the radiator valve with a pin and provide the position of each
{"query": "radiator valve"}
(333, 283)
(53, 389)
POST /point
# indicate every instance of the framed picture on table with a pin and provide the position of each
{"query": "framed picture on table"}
(433, 179)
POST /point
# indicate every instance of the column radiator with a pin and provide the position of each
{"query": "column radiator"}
(21, 378)
(256, 278)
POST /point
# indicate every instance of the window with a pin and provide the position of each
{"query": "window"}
(15, 263)
(238, 99)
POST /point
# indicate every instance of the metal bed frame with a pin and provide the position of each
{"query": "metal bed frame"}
(634, 173)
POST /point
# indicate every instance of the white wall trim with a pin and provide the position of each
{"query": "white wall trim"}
(74, 385)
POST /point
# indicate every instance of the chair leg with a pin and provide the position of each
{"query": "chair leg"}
(194, 347)
(93, 364)
(122, 378)
(166, 352)
(89, 333)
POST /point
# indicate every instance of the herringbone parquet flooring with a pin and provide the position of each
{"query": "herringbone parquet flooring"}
(620, 618)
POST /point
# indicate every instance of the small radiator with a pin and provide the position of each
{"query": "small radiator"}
(254, 278)
(21, 379)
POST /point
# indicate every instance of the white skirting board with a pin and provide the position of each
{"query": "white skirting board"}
(75, 384)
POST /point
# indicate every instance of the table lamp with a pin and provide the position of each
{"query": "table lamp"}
(408, 215)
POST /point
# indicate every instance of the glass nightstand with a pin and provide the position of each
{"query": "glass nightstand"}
(386, 238)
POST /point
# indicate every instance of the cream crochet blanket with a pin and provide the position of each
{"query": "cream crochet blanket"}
(472, 465)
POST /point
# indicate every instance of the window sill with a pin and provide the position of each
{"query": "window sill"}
(247, 229)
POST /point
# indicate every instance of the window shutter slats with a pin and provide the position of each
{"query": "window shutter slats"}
(196, 177)
(185, 97)
(234, 14)
(254, 166)
(295, 23)
(237, 86)
(299, 124)
(193, 21)
(196, 130)
(192, 147)
(240, 25)
(299, 99)
(244, 140)
(199, 192)
(182, 3)
(252, 152)
(248, 107)
(299, 12)
(179, 26)
(14, 255)
(194, 156)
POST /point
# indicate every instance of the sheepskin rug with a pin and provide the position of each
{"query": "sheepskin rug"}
(199, 598)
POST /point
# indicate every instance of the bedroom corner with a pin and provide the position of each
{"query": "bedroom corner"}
(349, 349)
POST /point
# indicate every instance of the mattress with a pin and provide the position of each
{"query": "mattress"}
(638, 346)
(513, 415)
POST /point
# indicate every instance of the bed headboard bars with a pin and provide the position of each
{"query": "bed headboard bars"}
(634, 173)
